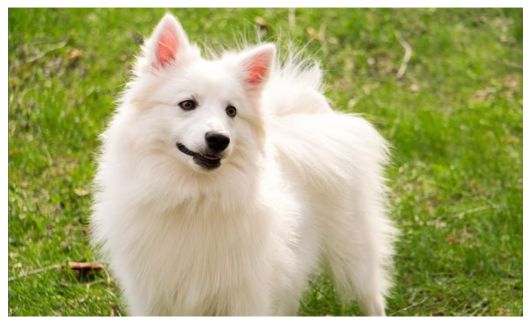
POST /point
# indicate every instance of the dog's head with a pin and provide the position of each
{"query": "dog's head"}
(204, 113)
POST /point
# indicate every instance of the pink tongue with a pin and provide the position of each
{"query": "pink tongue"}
(210, 157)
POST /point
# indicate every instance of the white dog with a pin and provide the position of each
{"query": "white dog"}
(224, 184)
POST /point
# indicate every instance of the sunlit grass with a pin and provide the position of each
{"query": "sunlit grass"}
(454, 120)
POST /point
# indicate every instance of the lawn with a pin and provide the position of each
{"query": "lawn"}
(453, 113)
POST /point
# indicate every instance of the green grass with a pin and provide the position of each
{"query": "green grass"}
(454, 120)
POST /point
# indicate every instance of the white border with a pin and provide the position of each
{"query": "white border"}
(269, 3)
(526, 227)
(219, 4)
(4, 148)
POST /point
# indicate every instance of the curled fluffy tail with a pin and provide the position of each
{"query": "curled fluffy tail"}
(295, 86)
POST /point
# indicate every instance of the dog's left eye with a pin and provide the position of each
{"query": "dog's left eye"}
(188, 105)
(231, 111)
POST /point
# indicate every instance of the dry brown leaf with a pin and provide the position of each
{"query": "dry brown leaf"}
(74, 54)
(482, 94)
(510, 139)
(452, 239)
(260, 21)
(81, 192)
(85, 266)
(414, 87)
(511, 82)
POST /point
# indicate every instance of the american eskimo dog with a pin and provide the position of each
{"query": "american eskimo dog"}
(224, 184)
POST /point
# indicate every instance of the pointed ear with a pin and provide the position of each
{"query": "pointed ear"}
(256, 65)
(167, 43)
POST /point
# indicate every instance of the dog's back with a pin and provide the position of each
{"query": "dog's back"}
(337, 161)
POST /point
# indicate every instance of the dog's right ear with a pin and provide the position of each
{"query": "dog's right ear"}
(168, 43)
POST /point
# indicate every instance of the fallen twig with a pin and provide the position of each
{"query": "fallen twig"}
(42, 54)
(406, 56)
(475, 210)
(409, 306)
(44, 269)
(292, 17)
(512, 64)
(79, 267)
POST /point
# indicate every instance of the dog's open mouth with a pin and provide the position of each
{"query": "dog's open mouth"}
(205, 160)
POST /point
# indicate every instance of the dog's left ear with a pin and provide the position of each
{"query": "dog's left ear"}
(256, 66)
(168, 43)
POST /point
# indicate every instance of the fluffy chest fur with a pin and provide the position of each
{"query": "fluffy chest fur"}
(190, 264)
(185, 252)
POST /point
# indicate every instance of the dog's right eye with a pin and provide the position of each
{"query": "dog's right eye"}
(188, 105)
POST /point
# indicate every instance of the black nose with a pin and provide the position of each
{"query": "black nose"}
(216, 141)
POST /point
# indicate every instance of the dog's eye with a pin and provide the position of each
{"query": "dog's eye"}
(188, 105)
(231, 111)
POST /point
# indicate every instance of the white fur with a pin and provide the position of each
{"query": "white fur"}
(300, 184)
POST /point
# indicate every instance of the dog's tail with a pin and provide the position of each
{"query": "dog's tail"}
(295, 86)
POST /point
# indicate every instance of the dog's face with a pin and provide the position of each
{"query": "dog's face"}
(203, 113)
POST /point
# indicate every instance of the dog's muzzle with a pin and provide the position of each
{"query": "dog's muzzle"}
(205, 160)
